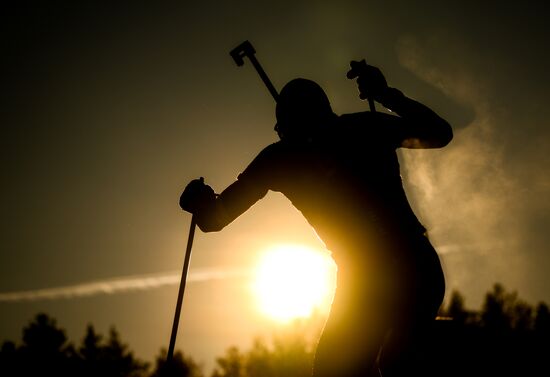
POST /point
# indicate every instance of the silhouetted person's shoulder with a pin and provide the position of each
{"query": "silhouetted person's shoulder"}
(414, 125)
(361, 130)
(373, 130)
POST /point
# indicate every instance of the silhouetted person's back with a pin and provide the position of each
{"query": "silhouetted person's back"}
(342, 173)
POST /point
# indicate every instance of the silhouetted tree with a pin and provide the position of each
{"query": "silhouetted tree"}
(293, 356)
(542, 320)
(496, 309)
(259, 360)
(90, 353)
(231, 364)
(456, 309)
(43, 336)
(45, 350)
(110, 358)
(290, 356)
(522, 316)
(181, 366)
(504, 339)
(121, 360)
(505, 311)
(8, 359)
(508, 337)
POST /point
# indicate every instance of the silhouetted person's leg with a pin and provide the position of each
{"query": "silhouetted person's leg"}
(358, 322)
(341, 354)
(404, 353)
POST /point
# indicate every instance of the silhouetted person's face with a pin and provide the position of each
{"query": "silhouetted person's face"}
(302, 108)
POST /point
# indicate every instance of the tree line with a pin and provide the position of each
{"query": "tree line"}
(506, 337)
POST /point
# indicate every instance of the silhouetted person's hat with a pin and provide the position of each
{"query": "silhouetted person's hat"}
(302, 106)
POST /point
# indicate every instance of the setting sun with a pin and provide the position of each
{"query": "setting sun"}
(292, 281)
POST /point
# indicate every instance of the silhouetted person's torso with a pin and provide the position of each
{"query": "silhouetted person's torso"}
(345, 181)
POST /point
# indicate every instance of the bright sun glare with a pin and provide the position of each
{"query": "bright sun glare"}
(292, 281)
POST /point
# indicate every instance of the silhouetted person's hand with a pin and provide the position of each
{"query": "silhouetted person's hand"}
(370, 80)
(196, 196)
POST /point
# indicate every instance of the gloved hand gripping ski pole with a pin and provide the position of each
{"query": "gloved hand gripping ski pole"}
(358, 69)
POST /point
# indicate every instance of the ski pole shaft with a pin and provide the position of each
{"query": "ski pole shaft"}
(170, 354)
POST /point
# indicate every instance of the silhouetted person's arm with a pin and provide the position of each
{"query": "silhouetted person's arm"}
(417, 125)
(229, 205)
(420, 126)
(213, 212)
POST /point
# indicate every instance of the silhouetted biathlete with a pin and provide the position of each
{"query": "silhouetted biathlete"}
(342, 173)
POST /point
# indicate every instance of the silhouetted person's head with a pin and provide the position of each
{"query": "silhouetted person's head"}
(302, 109)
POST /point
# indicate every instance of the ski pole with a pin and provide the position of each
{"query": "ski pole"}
(181, 291)
(245, 49)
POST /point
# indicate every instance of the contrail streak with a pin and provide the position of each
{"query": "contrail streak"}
(121, 284)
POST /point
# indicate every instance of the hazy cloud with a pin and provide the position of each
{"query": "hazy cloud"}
(468, 194)
(121, 284)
